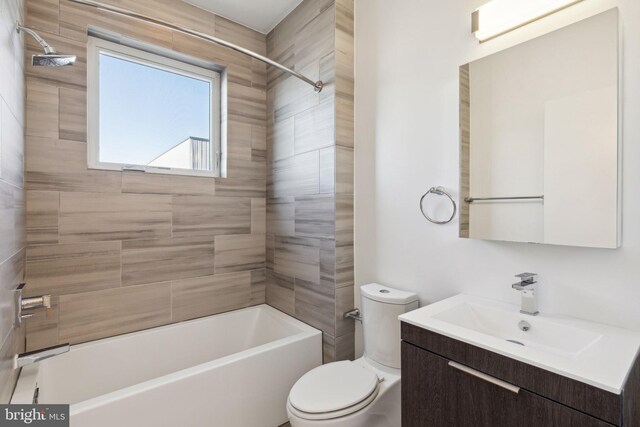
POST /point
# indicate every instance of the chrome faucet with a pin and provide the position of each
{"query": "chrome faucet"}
(30, 357)
(528, 286)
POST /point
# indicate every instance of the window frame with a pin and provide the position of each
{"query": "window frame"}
(97, 46)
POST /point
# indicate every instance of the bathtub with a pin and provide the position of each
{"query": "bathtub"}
(227, 370)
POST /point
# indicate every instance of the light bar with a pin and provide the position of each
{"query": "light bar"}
(501, 16)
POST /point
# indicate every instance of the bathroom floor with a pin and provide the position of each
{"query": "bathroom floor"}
(286, 425)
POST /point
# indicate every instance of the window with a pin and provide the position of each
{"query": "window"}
(151, 113)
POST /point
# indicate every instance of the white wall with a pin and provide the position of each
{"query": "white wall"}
(407, 58)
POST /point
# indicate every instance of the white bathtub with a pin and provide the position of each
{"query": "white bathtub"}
(231, 369)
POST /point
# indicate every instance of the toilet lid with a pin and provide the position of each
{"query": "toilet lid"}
(333, 387)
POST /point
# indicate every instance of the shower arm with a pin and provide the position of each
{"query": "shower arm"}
(47, 49)
(317, 86)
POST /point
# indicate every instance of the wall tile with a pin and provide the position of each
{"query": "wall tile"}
(43, 15)
(281, 216)
(72, 268)
(292, 96)
(241, 187)
(258, 216)
(298, 257)
(94, 315)
(14, 344)
(298, 175)
(150, 261)
(317, 40)
(240, 35)
(280, 292)
(204, 215)
(328, 170)
(239, 253)
(246, 104)
(270, 249)
(57, 165)
(42, 109)
(258, 74)
(12, 156)
(75, 18)
(315, 128)
(345, 347)
(259, 137)
(344, 220)
(315, 216)
(42, 217)
(328, 348)
(344, 168)
(344, 266)
(238, 66)
(344, 302)
(94, 216)
(204, 296)
(328, 261)
(11, 223)
(11, 275)
(313, 41)
(180, 13)
(258, 286)
(157, 183)
(73, 114)
(283, 133)
(42, 328)
(314, 304)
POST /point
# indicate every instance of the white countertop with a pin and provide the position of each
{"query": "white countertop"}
(593, 353)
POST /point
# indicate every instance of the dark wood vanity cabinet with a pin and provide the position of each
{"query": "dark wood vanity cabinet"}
(446, 382)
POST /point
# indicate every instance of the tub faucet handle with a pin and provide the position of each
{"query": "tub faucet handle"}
(23, 303)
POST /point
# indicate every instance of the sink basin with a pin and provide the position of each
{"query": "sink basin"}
(590, 352)
(542, 334)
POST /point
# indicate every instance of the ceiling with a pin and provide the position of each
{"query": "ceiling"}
(260, 15)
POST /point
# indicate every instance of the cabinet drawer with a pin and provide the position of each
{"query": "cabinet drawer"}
(435, 393)
(574, 394)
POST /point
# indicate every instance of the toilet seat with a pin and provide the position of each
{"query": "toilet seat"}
(333, 390)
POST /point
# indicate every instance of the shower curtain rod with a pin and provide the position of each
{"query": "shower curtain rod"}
(317, 86)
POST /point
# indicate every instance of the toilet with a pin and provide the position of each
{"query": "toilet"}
(366, 391)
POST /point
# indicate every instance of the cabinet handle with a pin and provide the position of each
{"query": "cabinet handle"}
(505, 385)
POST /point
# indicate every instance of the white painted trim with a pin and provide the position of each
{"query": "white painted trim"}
(97, 46)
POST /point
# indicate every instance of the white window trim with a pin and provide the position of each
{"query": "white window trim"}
(95, 47)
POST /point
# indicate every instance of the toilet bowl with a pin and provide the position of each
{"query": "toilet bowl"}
(364, 392)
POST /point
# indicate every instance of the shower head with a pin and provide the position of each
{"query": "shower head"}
(50, 58)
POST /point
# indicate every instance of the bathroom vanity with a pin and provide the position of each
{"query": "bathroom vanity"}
(466, 362)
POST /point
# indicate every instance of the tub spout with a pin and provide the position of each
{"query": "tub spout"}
(38, 355)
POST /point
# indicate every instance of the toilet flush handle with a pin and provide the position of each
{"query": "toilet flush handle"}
(353, 314)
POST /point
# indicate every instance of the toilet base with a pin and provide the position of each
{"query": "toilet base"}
(383, 411)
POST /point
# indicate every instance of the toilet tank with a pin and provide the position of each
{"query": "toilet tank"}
(381, 306)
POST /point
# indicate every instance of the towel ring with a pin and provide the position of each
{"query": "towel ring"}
(440, 191)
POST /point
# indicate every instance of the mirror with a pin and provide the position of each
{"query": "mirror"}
(539, 139)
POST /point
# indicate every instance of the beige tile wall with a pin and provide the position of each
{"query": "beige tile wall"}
(12, 195)
(127, 251)
(310, 178)
(465, 148)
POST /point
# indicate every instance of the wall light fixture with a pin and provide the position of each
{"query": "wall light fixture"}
(501, 16)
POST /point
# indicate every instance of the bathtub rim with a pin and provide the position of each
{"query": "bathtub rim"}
(28, 377)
